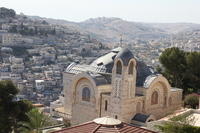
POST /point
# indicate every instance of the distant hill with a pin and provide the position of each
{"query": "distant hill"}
(174, 28)
(110, 29)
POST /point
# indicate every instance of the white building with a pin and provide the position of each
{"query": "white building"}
(39, 84)
(17, 68)
(10, 38)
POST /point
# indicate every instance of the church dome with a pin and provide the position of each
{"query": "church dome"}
(125, 55)
(107, 121)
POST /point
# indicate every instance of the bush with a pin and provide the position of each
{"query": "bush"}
(192, 101)
(175, 127)
(182, 117)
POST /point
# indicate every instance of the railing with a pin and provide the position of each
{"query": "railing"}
(80, 68)
(64, 115)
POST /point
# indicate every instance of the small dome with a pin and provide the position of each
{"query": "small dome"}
(109, 121)
(125, 55)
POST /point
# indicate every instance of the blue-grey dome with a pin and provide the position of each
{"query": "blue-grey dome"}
(125, 55)
(105, 63)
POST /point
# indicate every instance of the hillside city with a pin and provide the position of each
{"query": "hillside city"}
(35, 52)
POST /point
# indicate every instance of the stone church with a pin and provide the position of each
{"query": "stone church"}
(117, 84)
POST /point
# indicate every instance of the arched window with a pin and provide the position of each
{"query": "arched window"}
(170, 101)
(130, 69)
(86, 94)
(165, 101)
(116, 117)
(119, 68)
(154, 98)
(106, 105)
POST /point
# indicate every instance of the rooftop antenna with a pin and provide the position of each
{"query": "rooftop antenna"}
(121, 40)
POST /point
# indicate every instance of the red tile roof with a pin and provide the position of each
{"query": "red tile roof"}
(92, 127)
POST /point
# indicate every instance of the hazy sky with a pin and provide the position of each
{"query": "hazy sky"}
(132, 10)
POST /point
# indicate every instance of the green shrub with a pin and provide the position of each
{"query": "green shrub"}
(191, 101)
(176, 127)
(181, 118)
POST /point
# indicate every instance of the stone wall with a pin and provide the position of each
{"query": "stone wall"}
(68, 91)
(129, 108)
(83, 112)
(160, 110)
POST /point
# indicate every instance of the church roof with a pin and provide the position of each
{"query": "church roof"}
(149, 80)
(100, 79)
(104, 64)
(105, 125)
(143, 71)
(109, 121)
(106, 61)
(141, 117)
(125, 55)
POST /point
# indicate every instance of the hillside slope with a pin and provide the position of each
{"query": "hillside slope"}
(110, 29)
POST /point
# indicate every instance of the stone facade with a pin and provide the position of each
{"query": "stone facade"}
(121, 92)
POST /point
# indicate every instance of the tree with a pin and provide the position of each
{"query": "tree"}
(174, 64)
(192, 79)
(11, 111)
(36, 120)
(181, 69)
(7, 13)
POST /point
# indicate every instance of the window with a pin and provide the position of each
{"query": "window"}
(116, 117)
(165, 101)
(119, 68)
(154, 98)
(130, 69)
(170, 101)
(106, 105)
(86, 94)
